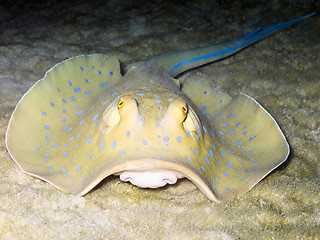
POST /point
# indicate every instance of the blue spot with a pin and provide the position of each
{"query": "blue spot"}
(207, 160)
(205, 92)
(128, 87)
(101, 145)
(69, 129)
(166, 139)
(215, 178)
(237, 124)
(222, 141)
(56, 144)
(245, 132)
(37, 149)
(222, 155)
(140, 94)
(222, 133)
(44, 113)
(170, 99)
(78, 113)
(64, 110)
(227, 189)
(216, 117)
(225, 124)
(242, 179)
(211, 154)
(103, 84)
(46, 155)
(70, 83)
(229, 151)
(231, 131)
(214, 146)
(92, 67)
(49, 168)
(78, 169)
(220, 113)
(71, 139)
(86, 80)
(203, 107)
(179, 139)
(81, 68)
(249, 157)
(52, 104)
(188, 133)
(157, 102)
(229, 164)
(79, 134)
(251, 151)
(58, 90)
(244, 127)
(47, 137)
(66, 145)
(89, 140)
(77, 89)
(65, 128)
(204, 129)
(46, 127)
(111, 73)
(66, 153)
(160, 107)
(213, 186)
(192, 149)
(143, 119)
(123, 152)
(212, 133)
(88, 92)
(199, 134)
(113, 144)
(225, 173)
(250, 138)
(64, 120)
(99, 72)
(255, 166)
(238, 143)
(128, 134)
(230, 115)
(146, 90)
(202, 168)
(75, 146)
(197, 151)
(73, 98)
(64, 101)
(46, 160)
(74, 180)
(219, 163)
(144, 142)
(189, 158)
(95, 117)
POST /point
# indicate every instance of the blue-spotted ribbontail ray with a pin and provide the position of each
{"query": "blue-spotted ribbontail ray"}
(83, 121)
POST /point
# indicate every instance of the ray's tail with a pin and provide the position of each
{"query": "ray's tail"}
(180, 61)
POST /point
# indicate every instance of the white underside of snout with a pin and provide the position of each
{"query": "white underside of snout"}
(150, 178)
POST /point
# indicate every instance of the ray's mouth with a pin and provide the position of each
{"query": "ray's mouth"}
(152, 178)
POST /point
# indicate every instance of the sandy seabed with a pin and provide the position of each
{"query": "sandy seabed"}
(281, 72)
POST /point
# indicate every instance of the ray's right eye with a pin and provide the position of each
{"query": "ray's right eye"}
(120, 103)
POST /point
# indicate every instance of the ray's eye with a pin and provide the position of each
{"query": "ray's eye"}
(185, 109)
(120, 103)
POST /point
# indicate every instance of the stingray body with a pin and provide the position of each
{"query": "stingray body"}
(83, 122)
